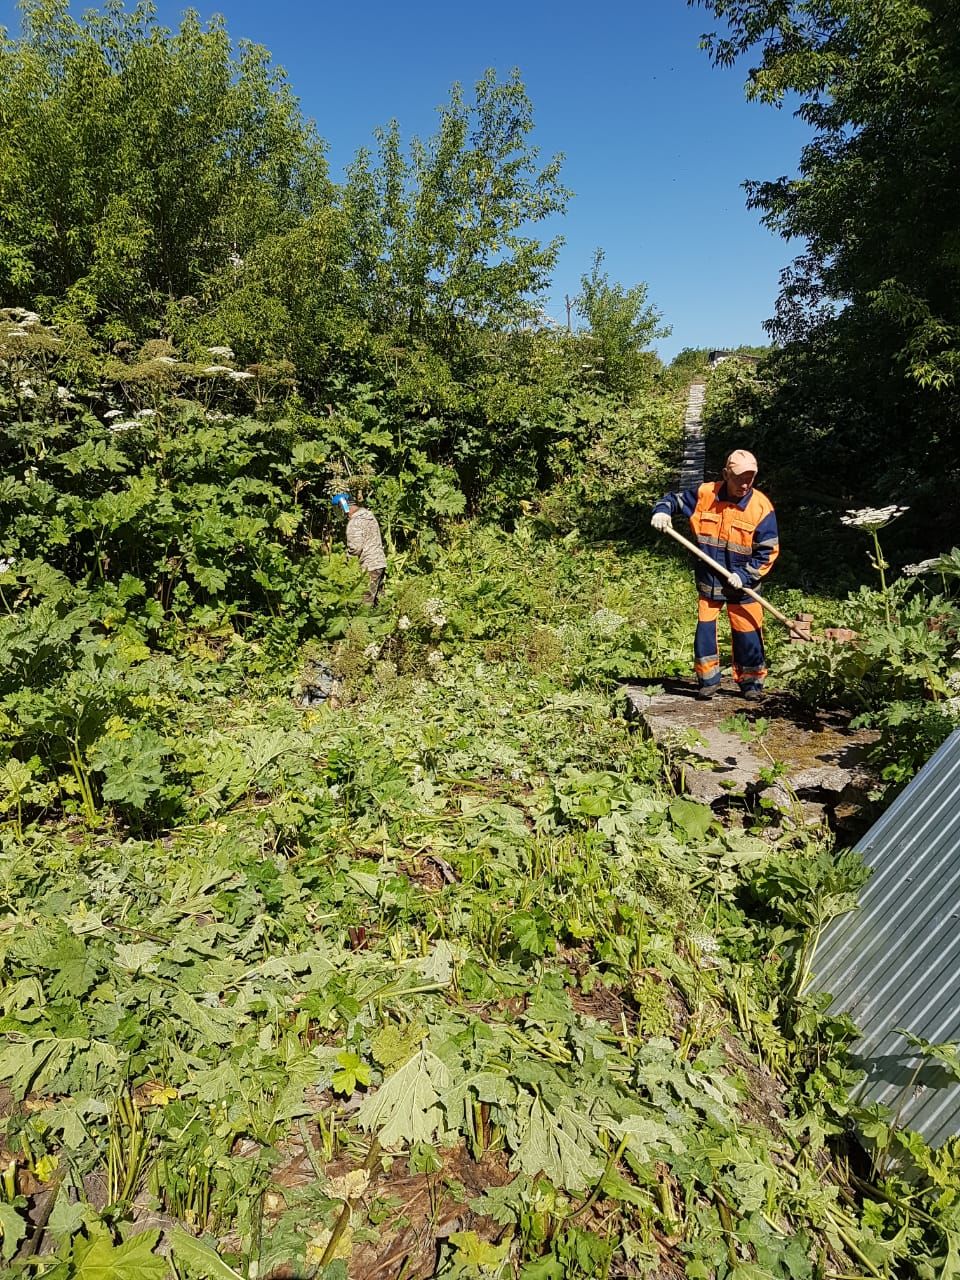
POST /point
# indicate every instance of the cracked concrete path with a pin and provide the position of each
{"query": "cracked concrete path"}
(823, 760)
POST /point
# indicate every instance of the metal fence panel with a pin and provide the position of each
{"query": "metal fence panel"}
(894, 964)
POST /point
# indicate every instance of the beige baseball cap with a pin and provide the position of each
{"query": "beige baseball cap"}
(740, 462)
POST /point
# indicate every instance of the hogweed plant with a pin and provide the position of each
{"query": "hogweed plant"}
(918, 570)
(872, 520)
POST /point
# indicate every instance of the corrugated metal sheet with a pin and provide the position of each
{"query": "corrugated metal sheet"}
(895, 963)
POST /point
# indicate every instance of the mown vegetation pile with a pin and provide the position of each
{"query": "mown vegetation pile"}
(462, 915)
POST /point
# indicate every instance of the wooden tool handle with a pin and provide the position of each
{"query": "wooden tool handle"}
(725, 573)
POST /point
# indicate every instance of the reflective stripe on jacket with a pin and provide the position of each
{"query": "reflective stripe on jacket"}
(742, 536)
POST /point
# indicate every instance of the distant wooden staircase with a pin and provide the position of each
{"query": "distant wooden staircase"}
(693, 459)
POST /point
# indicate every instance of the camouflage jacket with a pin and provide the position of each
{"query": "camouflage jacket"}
(363, 539)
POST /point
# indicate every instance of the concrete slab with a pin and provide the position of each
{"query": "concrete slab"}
(825, 770)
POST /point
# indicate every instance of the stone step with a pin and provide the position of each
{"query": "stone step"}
(693, 455)
(824, 761)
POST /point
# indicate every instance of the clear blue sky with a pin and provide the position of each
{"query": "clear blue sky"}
(657, 142)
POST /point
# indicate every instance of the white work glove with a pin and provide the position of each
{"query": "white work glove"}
(661, 521)
(734, 580)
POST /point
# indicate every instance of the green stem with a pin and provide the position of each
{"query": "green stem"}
(369, 1165)
(881, 566)
(83, 782)
(879, 1164)
(878, 1193)
(595, 1193)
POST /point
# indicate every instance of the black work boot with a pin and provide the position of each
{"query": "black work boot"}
(706, 692)
(753, 694)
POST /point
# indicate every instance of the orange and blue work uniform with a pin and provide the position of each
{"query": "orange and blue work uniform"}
(743, 538)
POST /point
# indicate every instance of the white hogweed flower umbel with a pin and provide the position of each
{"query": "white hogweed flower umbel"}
(705, 942)
(914, 570)
(433, 611)
(606, 621)
(873, 517)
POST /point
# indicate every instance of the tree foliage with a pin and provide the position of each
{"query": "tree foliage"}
(437, 236)
(163, 186)
(869, 311)
(622, 325)
(137, 162)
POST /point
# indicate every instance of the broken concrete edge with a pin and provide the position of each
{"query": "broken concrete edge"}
(716, 767)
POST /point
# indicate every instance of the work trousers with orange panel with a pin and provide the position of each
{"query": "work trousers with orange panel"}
(746, 629)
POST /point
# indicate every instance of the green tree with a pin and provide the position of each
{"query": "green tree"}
(869, 311)
(164, 183)
(440, 238)
(136, 163)
(621, 327)
(876, 197)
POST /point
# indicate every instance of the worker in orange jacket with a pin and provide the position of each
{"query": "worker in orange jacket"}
(736, 525)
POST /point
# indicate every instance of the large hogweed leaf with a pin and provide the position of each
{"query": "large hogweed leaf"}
(648, 1137)
(13, 1227)
(407, 1106)
(132, 766)
(560, 1144)
(200, 1257)
(98, 1258)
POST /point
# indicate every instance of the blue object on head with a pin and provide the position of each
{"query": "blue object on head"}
(341, 500)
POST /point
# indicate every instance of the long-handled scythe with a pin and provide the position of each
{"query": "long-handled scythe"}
(796, 629)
